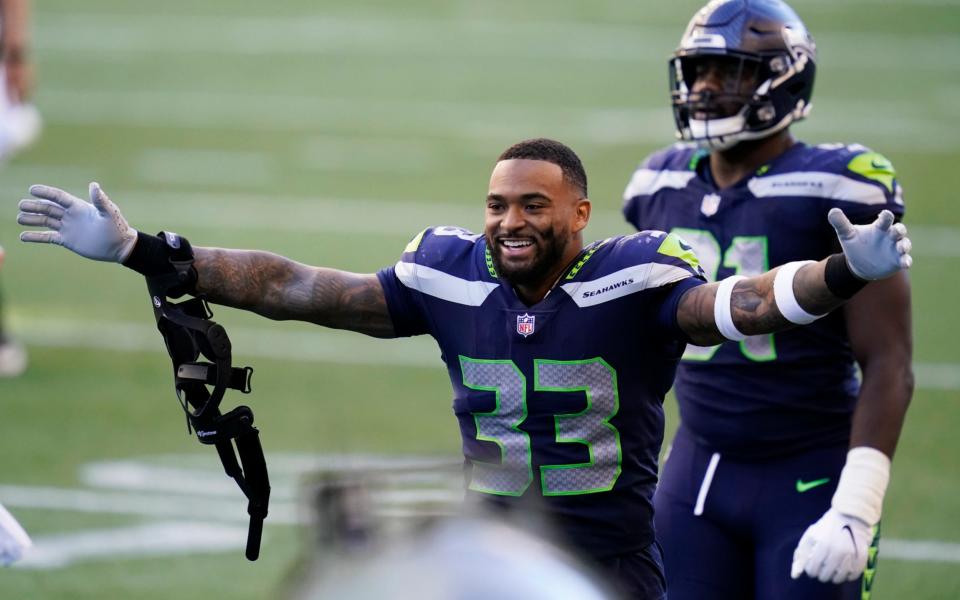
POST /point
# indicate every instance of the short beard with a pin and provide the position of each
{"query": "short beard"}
(538, 270)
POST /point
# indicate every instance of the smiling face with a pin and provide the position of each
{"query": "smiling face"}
(534, 222)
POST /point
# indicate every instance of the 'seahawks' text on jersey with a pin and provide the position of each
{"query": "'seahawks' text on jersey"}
(777, 393)
(559, 403)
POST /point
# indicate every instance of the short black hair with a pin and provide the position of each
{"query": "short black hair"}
(554, 152)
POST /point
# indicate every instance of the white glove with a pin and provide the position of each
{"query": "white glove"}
(873, 251)
(14, 541)
(94, 229)
(833, 549)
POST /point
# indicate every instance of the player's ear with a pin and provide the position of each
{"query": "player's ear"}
(582, 215)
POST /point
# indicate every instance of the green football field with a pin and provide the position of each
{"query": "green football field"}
(332, 132)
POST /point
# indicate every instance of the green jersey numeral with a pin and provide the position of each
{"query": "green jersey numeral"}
(590, 427)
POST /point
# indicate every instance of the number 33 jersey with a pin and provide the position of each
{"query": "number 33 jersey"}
(560, 404)
(770, 394)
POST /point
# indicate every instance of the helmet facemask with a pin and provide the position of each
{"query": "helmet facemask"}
(761, 67)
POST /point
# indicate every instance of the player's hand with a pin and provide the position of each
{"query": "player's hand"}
(833, 549)
(873, 251)
(94, 229)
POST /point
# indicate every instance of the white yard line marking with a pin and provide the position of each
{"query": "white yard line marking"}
(154, 539)
(311, 345)
(199, 167)
(457, 38)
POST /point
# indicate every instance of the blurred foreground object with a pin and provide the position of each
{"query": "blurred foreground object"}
(409, 534)
(14, 541)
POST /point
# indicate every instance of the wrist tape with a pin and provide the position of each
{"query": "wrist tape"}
(863, 483)
(722, 313)
(786, 300)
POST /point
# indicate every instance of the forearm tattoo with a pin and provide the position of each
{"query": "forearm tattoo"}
(753, 306)
(283, 289)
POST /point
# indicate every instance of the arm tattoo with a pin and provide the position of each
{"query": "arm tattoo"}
(283, 289)
(753, 306)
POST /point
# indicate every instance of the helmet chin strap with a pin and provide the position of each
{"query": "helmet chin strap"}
(190, 335)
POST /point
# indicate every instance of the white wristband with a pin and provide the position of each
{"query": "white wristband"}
(863, 483)
(721, 309)
(783, 294)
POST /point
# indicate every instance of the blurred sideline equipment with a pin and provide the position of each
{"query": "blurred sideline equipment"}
(189, 334)
(14, 541)
(369, 549)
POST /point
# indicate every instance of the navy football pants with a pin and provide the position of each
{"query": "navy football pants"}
(635, 576)
(749, 518)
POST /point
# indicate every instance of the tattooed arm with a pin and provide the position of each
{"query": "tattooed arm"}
(752, 304)
(283, 289)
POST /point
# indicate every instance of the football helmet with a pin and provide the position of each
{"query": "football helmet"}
(765, 59)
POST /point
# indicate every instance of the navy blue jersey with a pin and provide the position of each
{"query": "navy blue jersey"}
(777, 393)
(559, 403)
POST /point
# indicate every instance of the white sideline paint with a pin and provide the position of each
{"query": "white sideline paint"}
(247, 111)
(211, 167)
(154, 539)
(114, 35)
(312, 345)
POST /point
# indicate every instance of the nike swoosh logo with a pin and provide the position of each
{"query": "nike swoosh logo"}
(804, 486)
(879, 165)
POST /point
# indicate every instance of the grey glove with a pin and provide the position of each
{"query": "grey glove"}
(94, 229)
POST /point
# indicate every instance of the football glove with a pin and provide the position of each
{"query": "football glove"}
(14, 541)
(834, 549)
(873, 251)
(94, 229)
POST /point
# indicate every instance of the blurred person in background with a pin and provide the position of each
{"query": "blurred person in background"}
(774, 484)
(559, 353)
(19, 127)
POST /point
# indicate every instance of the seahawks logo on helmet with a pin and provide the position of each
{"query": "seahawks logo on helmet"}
(744, 70)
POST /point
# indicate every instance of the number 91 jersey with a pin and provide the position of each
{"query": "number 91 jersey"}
(790, 391)
(559, 403)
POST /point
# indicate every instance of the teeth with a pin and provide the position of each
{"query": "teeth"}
(516, 243)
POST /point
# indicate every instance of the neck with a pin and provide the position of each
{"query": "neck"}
(730, 166)
(531, 293)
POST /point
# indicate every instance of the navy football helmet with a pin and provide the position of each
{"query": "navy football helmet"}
(765, 59)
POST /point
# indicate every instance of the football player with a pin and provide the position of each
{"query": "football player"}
(19, 127)
(559, 353)
(774, 484)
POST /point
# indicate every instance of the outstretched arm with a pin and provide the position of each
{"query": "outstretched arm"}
(261, 282)
(795, 294)
(283, 289)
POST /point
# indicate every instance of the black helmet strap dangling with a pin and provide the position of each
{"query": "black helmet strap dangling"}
(190, 335)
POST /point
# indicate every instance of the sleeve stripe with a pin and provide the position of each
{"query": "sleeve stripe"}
(646, 182)
(443, 285)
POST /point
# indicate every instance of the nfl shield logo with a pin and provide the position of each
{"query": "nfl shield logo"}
(525, 323)
(710, 204)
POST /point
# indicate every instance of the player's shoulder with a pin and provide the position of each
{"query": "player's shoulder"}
(660, 257)
(670, 167)
(842, 172)
(448, 249)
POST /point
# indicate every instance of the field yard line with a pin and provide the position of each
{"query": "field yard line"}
(493, 121)
(153, 539)
(448, 38)
(312, 345)
(205, 167)
(919, 550)
(148, 504)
